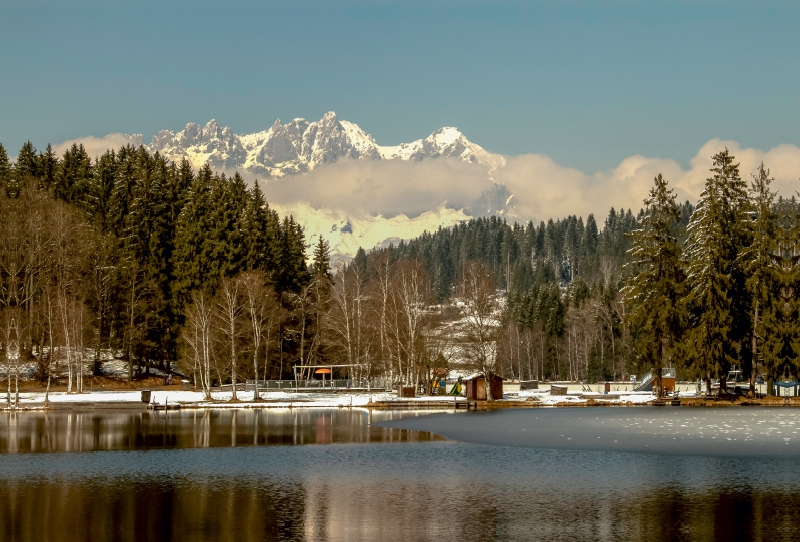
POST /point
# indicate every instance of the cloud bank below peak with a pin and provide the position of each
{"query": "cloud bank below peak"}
(541, 187)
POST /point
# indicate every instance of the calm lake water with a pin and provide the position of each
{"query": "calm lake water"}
(335, 474)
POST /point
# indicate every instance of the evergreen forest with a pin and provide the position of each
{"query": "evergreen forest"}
(131, 257)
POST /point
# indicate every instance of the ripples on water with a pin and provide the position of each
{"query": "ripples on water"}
(400, 486)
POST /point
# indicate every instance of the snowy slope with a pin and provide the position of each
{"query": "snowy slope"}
(300, 146)
(346, 233)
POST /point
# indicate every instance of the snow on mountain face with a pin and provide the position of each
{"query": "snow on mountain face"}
(300, 146)
(219, 147)
(346, 233)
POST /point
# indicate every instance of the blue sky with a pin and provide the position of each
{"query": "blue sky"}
(587, 83)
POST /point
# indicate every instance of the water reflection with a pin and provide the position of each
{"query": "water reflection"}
(123, 430)
(415, 491)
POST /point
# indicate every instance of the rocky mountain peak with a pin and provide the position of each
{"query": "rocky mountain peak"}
(299, 146)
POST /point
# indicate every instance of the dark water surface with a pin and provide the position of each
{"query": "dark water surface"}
(193, 478)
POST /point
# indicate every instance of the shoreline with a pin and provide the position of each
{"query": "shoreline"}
(365, 401)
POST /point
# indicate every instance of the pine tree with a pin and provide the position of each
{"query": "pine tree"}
(321, 267)
(790, 271)
(360, 260)
(321, 290)
(190, 259)
(571, 246)
(237, 197)
(716, 232)
(655, 288)
(760, 270)
(100, 192)
(73, 176)
(780, 319)
(122, 193)
(5, 168)
(27, 162)
(257, 237)
(589, 246)
(292, 271)
(48, 163)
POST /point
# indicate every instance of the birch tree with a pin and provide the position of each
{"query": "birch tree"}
(198, 334)
(261, 309)
(411, 298)
(230, 311)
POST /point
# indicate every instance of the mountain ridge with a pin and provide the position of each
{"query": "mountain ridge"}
(301, 146)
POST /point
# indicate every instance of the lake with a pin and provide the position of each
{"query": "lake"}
(341, 474)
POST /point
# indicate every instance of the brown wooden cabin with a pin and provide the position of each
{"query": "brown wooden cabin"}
(668, 379)
(476, 387)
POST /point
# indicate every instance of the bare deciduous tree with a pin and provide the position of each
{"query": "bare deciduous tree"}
(482, 325)
(262, 310)
(198, 334)
(411, 299)
(230, 312)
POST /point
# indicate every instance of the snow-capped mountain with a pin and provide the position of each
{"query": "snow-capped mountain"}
(301, 146)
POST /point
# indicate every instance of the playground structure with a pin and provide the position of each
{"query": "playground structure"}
(667, 380)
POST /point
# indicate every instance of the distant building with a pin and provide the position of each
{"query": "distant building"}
(476, 386)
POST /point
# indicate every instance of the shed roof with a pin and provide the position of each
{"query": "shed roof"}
(473, 376)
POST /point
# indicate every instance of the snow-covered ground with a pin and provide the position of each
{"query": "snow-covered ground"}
(544, 397)
(221, 399)
(110, 366)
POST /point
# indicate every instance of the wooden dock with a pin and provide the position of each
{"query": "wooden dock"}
(450, 405)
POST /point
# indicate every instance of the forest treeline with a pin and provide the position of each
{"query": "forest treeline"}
(705, 288)
(106, 255)
(158, 264)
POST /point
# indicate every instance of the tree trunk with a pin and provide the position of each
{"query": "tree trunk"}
(657, 370)
(754, 362)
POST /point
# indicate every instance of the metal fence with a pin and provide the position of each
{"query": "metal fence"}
(292, 385)
(270, 385)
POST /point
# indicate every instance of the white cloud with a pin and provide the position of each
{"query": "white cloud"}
(542, 188)
(386, 187)
(97, 146)
(545, 189)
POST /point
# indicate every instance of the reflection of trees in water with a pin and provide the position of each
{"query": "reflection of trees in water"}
(82, 431)
(245, 508)
(131, 510)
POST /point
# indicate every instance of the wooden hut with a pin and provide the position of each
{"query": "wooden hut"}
(476, 386)
(668, 379)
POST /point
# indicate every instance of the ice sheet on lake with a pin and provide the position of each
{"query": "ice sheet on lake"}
(712, 431)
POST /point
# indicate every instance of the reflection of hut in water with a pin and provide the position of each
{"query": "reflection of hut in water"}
(476, 386)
